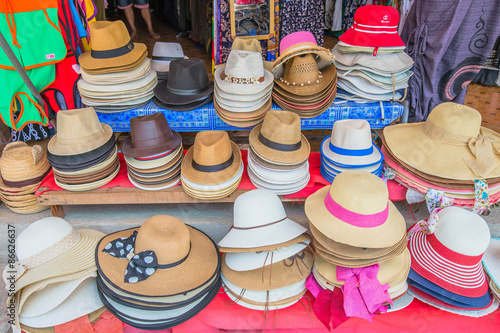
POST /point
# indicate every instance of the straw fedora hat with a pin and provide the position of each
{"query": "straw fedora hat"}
(279, 139)
(260, 220)
(111, 47)
(50, 247)
(351, 144)
(213, 159)
(78, 131)
(451, 144)
(21, 165)
(355, 210)
(164, 53)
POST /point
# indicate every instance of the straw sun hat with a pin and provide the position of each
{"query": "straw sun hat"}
(21, 165)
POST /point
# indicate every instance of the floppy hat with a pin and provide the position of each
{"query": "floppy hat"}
(78, 131)
(355, 210)
(260, 220)
(374, 26)
(450, 257)
(164, 53)
(213, 159)
(111, 47)
(279, 139)
(21, 165)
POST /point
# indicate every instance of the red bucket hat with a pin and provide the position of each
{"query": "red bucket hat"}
(374, 26)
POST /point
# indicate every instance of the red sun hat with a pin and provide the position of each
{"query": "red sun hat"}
(374, 26)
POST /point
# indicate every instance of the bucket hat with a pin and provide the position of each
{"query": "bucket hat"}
(260, 220)
(347, 48)
(111, 47)
(164, 53)
(356, 210)
(78, 131)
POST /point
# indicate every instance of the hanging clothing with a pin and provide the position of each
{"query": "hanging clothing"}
(449, 40)
(350, 8)
(404, 11)
(302, 15)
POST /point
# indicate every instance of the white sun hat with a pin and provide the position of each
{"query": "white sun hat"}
(243, 97)
(164, 53)
(491, 261)
(260, 220)
(119, 88)
(279, 189)
(113, 78)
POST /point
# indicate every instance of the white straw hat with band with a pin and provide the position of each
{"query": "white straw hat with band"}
(164, 53)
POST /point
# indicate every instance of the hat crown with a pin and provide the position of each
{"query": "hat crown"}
(288, 42)
(167, 236)
(247, 44)
(150, 130)
(360, 192)
(282, 127)
(377, 15)
(455, 119)
(40, 235)
(187, 74)
(78, 123)
(212, 148)
(351, 134)
(256, 208)
(166, 49)
(244, 64)
(301, 69)
(108, 35)
(462, 231)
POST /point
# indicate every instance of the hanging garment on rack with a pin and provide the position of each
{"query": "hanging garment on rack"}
(302, 15)
(350, 8)
(404, 11)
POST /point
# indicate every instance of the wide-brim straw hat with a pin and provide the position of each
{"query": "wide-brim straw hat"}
(355, 210)
(116, 78)
(298, 239)
(21, 165)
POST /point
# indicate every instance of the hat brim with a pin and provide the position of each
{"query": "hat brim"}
(279, 189)
(154, 165)
(118, 77)
(240, 88)
(389, 62)
(118, 88)
(324, 57)
(90, 185)
(163, 186)
(91, 177)
(242, 98)
(186, 107)
(242, 107)
(89, 157)
(163, 66)
(304, 100)
(110, 70)
(57, 147)
(374, 158)
(311, 111)
(278, 177)
(329, 74)
(89, 63)
(271, 164)
(170, 98)
(127, 149)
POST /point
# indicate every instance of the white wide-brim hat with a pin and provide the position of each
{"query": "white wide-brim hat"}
(119, 87)
(389, 62)
(243, 88)
(241, 98)
(119, 77)
(279, 189)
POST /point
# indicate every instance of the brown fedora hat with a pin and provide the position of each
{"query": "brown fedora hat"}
(150, 135)
(111, 47)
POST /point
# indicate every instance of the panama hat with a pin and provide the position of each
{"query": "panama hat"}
(260, 220)
(298, 239)
(118, 77)
(271, 164)
(355, 210)
(111, 47)
(164, 53)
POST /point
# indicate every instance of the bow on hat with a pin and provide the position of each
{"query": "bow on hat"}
(484, 150)
(427, 226)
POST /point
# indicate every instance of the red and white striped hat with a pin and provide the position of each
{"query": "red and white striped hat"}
(451, 256)
(374, 26)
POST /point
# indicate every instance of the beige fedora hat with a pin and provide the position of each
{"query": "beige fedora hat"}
(78, 131)
(252, 45)
(355, 210)
(450, 144)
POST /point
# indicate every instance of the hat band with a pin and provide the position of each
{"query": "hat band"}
(355, 219)
(185, 92)
(351, 152)
(25, 182)
(279, 146)
(241, 80)
(213, 168)
(113, 53)
(258, 226)
(160, 58)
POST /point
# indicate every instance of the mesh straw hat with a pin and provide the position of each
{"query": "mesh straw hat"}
(213, 159)
(162, 257)
(21, 165)
(355, 210)
(111, 47)
(78, 131)
(451, 256)
(451, 144)
(279, 139)
(260, 220)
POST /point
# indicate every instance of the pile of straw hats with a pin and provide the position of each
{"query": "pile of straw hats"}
(153, 153)
(83, 153)
(212, 167)
(370, 58)
(450, 152)
(187, 88)
(55, 281)
(158, 275)
(446, 269)
(354, 225)
(266, 257)
(243, 89)
(350, 147)
(22, 169)
(278, 154)
(163, 54)
(305, 78)
(492, 266)
(116, 74)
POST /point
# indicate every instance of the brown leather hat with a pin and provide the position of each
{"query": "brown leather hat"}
(150, 135)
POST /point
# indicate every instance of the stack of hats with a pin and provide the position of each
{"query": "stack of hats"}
(22, 169)
(116, 74)
(450, 152)
(350, 147)
(492, 265)
(305, 78)
(370, 58)
(187, 87)
(446, 270)
(354, 225)
(278, 154)
(163, 54)
(54, 276)
(252, 45)
(153, 153)
(267, 256)
(158, 275)
(212, 167)
(243, 89)
(83, 153)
